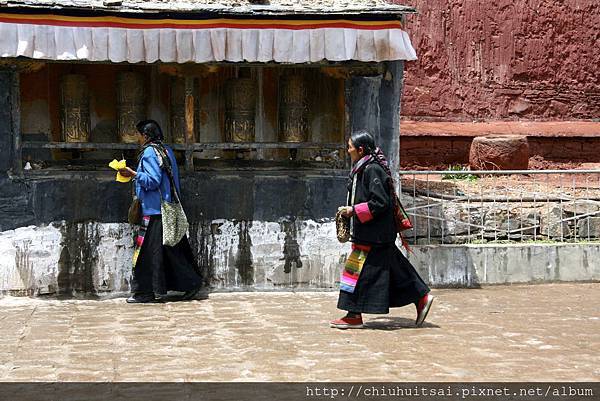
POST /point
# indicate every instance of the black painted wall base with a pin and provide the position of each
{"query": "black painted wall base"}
(206, 196)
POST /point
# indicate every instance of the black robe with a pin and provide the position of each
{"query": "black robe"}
(387, 278)
(161, 268)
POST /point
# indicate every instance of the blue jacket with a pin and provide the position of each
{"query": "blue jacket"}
(151, 181)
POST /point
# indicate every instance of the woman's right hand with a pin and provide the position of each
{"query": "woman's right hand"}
(127, 172)
(347, 211)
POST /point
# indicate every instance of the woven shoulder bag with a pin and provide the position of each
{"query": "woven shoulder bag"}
(174, 221)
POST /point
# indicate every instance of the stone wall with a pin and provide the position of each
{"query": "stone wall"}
(476, 221)
(506, 59)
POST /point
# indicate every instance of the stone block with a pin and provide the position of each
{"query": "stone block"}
(506, 152)
(460, 219)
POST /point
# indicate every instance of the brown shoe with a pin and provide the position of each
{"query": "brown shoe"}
(347, 323)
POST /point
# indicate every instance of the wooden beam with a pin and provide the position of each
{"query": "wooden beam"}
(267, 145)
(79, 145)
(189, 122)
(16, 124)
(347, 116)
(193, 146)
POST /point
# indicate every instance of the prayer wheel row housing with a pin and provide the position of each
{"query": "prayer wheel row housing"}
(240, 108)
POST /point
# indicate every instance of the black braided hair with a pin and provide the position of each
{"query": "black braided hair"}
(151, 129)
(380, 159)
(363, 139)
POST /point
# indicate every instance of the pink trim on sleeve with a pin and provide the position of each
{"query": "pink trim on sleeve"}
(362, 212)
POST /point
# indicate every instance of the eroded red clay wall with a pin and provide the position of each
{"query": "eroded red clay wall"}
(503, 59)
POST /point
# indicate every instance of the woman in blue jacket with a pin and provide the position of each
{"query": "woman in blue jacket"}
(158, 268)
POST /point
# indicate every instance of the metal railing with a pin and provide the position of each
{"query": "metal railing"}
(458, 207)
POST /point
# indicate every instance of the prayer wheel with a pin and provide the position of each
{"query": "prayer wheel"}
(74, 108)
(293, 109)
(240, 108)
(131, 108)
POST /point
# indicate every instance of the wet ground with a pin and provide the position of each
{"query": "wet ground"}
(505, 333)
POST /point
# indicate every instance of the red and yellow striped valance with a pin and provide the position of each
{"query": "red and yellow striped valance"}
(134, 40)
(139, 23)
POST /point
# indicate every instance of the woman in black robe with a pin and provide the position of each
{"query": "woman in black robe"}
(376, 276)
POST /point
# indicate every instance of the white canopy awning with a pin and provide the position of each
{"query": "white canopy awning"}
(134, 40)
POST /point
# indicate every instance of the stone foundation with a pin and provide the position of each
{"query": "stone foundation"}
(95, 259)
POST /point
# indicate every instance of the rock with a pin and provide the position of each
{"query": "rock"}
(551, 225)
(429, 221)
(579, 207)
(559, 108)
(589, 228)
(513, 225)
(519, 106)
(461, 219)
(506, 152)
(498, 224)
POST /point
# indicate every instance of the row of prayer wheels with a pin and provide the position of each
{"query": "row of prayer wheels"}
(240, 108)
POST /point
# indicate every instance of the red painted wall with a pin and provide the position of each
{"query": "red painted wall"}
(503, 59)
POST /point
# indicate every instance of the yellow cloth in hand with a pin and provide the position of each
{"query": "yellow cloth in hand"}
(117, 165)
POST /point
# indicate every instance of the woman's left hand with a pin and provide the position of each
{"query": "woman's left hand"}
(127, 172)
(346, 211)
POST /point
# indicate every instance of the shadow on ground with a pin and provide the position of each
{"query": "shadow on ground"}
(396, 323)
